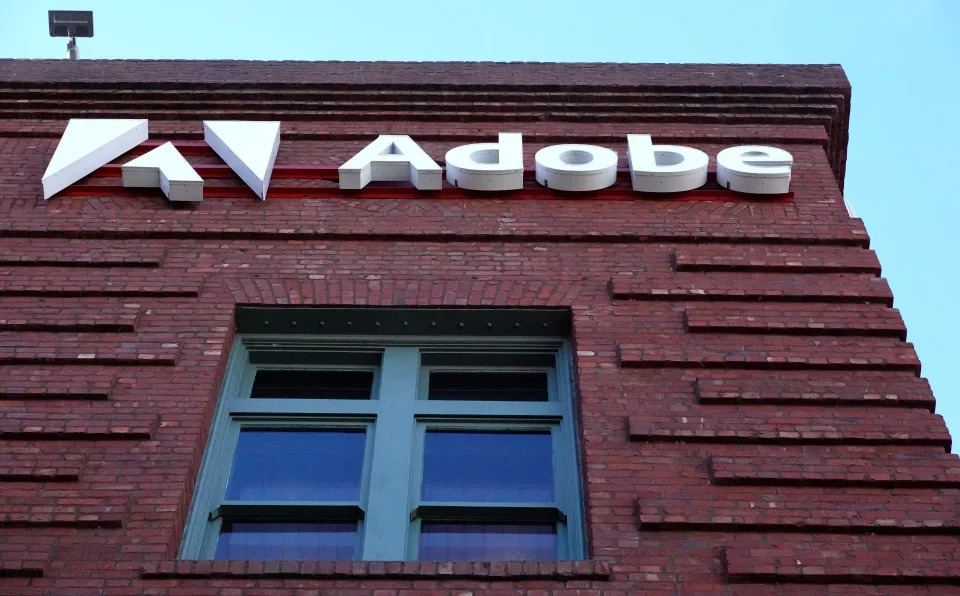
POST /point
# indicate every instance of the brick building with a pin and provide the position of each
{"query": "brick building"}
(525, 392)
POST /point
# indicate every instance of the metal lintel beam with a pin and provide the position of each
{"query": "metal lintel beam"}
(472, 322)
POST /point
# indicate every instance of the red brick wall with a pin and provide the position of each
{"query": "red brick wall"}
(753, 420)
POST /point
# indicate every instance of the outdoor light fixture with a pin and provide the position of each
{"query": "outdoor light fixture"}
(72, 24)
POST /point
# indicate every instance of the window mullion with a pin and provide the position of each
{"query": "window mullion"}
(388, 509)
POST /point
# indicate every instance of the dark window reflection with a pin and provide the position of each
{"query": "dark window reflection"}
(297, 465)
(313, 384)
(489, 386)
(267, 541)
(487, 542)
(487, 467)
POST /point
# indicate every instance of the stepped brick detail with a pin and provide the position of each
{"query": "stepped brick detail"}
(896, 389)
(805, 319)
(926, 471)
(857, 426)
(32, 464)
(66, 315)
(38, 252)
(754, 287)
(896, 560)
(754, 509)
(776, 353)
(788, 259)
(49, 383)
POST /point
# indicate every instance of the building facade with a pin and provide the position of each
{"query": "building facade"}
(409, 390)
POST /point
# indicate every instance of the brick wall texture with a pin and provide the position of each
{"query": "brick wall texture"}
(753, 419)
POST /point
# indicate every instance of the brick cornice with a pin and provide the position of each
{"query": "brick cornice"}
(596, 93)
(819, 78)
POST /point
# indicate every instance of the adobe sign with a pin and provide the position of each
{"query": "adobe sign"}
(250, 149)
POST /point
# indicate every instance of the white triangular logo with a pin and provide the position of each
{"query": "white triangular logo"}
(164, 168)
(249, 148)
(86, 145)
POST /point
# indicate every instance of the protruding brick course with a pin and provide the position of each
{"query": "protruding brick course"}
(896, 560)
(788, 259)
(894, 389)
(927, 471)
(752, 509)
(775, 425)
(33, 464)
(752, 287)
(797, 319)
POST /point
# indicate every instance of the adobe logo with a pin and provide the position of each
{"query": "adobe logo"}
(249, 148)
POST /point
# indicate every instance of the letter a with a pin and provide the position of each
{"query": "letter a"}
(391, 158)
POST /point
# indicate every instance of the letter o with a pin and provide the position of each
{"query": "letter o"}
(576, 168)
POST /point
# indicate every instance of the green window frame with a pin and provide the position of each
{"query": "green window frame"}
(396, 418)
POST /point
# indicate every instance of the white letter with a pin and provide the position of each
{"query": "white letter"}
(665, 168)
(164, 168)
(391, 158)
(488, 166)
(249, 148)
(754, 169)
(576, 167)
(85, 146)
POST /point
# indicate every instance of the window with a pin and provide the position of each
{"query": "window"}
(438, 439)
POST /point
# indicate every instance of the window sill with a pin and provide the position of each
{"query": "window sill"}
(481, 570)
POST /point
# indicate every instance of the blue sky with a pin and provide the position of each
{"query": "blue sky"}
(901, 57)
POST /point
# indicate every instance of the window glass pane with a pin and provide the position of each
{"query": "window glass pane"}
(297, 465)
(313, 384)
(488, 386)
(487, 542)
(267, 541)
(488, 466)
